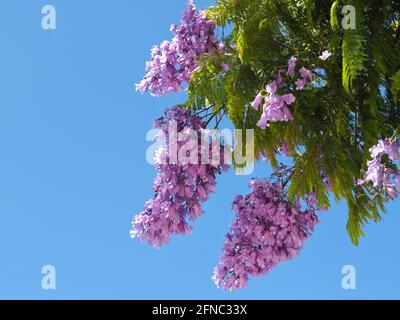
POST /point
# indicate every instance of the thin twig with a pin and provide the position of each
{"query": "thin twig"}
(203, 110)
(210, 119)
(219, 121)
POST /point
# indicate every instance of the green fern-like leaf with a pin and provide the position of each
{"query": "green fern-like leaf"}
(395, 88)
(334, 16)
(354, 49)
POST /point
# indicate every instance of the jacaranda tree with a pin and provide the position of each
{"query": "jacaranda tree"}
(316, 80)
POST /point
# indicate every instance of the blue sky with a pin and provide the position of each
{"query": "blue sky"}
(73, 172)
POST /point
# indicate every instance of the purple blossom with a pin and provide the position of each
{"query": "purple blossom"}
(226, 67)
(276, 109)
(292, 66)
(173, 62)
(383, 179)
(300, 84)
(305, 74)
(161, 76)
(379, 148)
(392, 151)
(374, 173)
(276, 106)
(267, 230)
(257, 101)
(397, 178)
(179, 189)
(389, 147)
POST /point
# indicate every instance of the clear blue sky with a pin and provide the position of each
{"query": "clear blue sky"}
(73, 172)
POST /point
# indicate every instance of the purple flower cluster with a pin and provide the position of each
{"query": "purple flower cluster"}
(276, 106)
(179, 189)
(267, 230)
(383, 178)
(173, 62)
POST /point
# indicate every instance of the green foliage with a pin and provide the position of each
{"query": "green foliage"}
(396, 86)
(334, 15)
(308, 4)
(354, 48)
(353, 103)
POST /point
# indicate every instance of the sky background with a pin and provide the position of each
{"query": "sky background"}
(73, 172)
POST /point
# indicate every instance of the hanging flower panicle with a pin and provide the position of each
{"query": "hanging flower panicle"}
(172, 63)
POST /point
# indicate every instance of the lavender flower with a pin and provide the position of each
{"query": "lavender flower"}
(305, 74)
(276, 106)
(173, 62)
(257, 101)
(383, 179)
(300, 84)
(179, 188)
(267, 230)
(292, 66)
